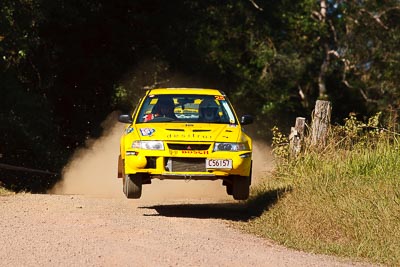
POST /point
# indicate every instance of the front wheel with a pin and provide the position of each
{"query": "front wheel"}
(133, 185)
(241, 187)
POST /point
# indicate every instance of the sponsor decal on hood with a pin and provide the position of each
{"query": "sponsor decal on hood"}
(147, 131)
(190, 136)
(129, 130)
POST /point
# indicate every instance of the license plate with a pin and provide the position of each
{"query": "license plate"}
(218, 163)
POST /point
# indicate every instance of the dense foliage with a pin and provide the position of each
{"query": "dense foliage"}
(65, 65)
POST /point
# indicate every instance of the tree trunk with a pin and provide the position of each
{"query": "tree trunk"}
(325, 63)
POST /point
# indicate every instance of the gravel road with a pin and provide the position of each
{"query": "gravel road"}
(77, 230)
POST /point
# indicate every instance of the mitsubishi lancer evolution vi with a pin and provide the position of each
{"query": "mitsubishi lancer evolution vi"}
(185, 134)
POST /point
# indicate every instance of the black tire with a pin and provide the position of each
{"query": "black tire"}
(123, 183)
(229, 189)
(133, 185)
(241, 187)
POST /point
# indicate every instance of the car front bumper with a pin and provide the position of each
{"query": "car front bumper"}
(167, 165)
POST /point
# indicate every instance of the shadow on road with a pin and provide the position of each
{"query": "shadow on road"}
(240, 211)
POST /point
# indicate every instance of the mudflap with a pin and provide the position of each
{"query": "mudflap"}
(121, 173)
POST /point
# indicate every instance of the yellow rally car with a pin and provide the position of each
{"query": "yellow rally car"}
(187, 134)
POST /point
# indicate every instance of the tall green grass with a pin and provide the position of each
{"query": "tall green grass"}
(343, 200)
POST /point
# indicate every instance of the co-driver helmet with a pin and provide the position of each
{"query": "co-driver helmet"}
(208, 110)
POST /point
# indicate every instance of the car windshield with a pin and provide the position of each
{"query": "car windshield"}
(186, 108)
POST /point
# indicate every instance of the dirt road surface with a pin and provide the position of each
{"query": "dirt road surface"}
(86, 221)
(72, 230)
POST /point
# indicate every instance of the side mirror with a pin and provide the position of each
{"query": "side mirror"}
(125, 118)
(246, 119)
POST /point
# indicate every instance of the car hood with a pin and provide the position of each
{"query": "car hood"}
(189, 132)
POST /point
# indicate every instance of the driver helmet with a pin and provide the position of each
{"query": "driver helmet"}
(208, 110)
(164, 106)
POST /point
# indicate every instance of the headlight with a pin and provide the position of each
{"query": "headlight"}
(230, 146)
(149, 145)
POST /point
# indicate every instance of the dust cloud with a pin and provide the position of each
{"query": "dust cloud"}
(92, 171)
(263, 161)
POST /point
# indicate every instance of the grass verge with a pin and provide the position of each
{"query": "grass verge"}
(343, 202)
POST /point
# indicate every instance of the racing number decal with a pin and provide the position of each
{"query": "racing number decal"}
(219, 97)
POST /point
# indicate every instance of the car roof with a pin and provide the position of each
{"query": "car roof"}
(185, 91)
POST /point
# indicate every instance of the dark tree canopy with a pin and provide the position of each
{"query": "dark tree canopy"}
(65, 65)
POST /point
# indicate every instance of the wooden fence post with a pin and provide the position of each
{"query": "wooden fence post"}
(296, 137)
(321, 119)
